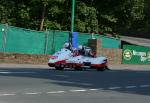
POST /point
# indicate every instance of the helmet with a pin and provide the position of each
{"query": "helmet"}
(66, 45)
(74, 49)
(80, 47)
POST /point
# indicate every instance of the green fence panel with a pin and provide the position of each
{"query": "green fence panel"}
(106, 42)
(50, 42)
(57, 40)
(83, 38)
(135, 55)
(25, 41)
(19, 40)
(110, 42)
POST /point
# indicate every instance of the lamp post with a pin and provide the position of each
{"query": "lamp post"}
(72, 16)
(4, 30)
(73, 35)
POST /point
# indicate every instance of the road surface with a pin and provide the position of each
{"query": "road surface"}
(38, 84)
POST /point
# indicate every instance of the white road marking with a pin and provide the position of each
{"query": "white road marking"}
(33, 93)
(7, 94)
(143, 86)
(112, 88)
(16, 72)
(93, 89)
(75, 90)
(130, 86)
(60, 75)
(80, 90)
(3, 70)
(77, 83)
(55, 92)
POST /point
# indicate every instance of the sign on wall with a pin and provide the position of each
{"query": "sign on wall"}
(135, 54)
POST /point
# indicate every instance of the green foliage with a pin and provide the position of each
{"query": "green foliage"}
(6, 12)
(53, 25)
(80, 25)
(147, 15)
(90, 15)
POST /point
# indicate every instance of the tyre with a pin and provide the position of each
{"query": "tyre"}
(51, 65)
(59, 67)
(106, 68)
(100, 69)
(78, 68)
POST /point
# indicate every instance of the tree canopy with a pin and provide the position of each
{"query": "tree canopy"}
(113, 16)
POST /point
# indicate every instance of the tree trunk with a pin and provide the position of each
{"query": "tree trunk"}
(65, 20)
(43, 17)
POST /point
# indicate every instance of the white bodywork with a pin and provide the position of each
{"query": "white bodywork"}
(65, 57)
(80, 59)
(63, 54)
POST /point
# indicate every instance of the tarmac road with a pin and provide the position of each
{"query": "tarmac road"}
(40, 84)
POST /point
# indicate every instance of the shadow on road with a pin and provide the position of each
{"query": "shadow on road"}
(89, 79)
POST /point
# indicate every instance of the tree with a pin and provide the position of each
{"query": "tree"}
(147, 15)
(90, 15)
(7, 9)
(86, 18)
(130, 13)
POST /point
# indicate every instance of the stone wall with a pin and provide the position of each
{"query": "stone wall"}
(114, 55)
(23, 58)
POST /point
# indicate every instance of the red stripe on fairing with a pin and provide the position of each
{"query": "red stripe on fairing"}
(58, 62)
(98, 65)
(61, 62)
